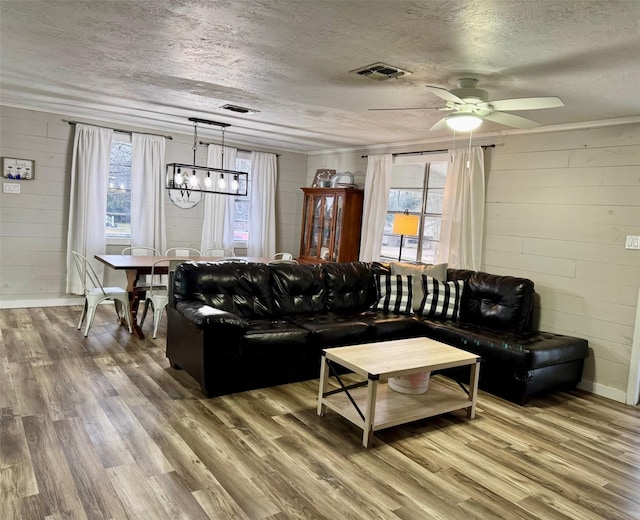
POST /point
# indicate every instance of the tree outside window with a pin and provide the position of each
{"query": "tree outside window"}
(118, 217)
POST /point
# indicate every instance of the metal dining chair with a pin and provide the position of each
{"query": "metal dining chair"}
(158, 295)
(229, 259)
(182, 251)
(95, 293)
(143, 284)
(219, 251)
(140, 251)
(282, 256)
(283, 261)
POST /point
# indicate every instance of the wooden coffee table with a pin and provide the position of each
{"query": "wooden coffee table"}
(372, 405)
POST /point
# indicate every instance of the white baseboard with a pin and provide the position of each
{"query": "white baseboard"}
(603, 391)
(53, 302)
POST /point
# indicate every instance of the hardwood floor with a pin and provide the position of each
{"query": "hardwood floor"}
(102, 427)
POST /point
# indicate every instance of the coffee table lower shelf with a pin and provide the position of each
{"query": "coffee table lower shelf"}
(393, 408)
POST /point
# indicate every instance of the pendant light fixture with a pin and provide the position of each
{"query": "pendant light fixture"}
(205, 179)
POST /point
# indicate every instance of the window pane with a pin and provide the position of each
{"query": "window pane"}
(241, 209)
(431, 230)
(118, 217)
(405, 199)
(430, 252)
(437, 175)
(434, 201)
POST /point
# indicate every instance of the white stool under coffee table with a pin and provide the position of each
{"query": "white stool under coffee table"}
(372, 405)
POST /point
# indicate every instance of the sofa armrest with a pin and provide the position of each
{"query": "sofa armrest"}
(204, 316)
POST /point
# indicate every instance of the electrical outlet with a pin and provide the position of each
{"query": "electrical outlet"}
(10, 187)
(633, 242)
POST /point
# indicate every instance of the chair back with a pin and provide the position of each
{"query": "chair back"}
(86, 273)
(219, 251)
(182, 251)
(140, 251)
(229, 259)
(283, 261)
(282, 256)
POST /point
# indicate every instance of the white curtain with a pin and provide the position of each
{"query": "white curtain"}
(262, 212)
(377, 185)
(463, 210)
(148, 223)
(86, 232)
(217, 223)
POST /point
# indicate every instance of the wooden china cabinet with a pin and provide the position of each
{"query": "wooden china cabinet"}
(331, 222)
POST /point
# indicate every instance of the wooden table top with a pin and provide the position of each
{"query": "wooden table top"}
(132, 262)
(389, 358)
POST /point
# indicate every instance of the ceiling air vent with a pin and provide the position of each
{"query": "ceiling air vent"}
(238, 109)
(380, 71)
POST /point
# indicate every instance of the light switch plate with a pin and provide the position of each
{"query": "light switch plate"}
(10, 187)
(632, 242)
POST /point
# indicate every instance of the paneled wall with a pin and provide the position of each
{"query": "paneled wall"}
(559, 206)
(33, 224)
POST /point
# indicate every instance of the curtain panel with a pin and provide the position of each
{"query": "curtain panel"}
(148, 222)
(377, 185)
(262, 213)
(86, 233)
(217, 223)
(462, 229)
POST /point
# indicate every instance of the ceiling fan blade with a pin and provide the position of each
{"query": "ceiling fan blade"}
(444, 94)
(440, 125)
(511, 120)
(406, 108)
(533, 103)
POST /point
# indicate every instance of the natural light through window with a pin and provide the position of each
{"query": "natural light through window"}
(418, 189)
(118, 217)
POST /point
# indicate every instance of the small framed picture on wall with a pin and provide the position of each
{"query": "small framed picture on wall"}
(18, 169)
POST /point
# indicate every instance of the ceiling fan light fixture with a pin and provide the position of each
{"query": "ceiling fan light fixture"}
(463, 122)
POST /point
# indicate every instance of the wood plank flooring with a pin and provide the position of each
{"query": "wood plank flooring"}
(102, 428)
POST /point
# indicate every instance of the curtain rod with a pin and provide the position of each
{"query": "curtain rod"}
(422, 152)
(117, 130)
(239, 149)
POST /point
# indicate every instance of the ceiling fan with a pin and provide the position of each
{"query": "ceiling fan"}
(470, 106)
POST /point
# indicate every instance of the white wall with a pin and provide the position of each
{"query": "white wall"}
(559, 206)
(33, 224)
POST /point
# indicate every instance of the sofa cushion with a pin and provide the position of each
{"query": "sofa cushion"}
(441, 299)
(437, 271)
(349, 285)
(297, 288)
(395, 293)
(519, 351)
(242, 289)
(272, 335)
(498, 302)
(331, 329)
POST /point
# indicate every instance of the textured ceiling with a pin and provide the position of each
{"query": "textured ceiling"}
(156, 63)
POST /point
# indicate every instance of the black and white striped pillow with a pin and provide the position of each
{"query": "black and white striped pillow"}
(441, 299)
(395, 293)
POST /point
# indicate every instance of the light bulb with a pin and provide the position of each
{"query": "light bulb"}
(221, 182)
(463, 122)
(193, 180)
(234, 183)
(207, 181)
(178, 180)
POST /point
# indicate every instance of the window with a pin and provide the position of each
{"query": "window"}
(418, 188)
(118, 217)
(241, 210)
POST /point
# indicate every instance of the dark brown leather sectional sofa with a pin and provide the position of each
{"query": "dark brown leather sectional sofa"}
(235, 327)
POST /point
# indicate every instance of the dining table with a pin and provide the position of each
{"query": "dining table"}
(136, 266)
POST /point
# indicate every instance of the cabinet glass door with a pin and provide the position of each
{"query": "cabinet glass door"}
(338, 228)
(316, 223)
(327, 218)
